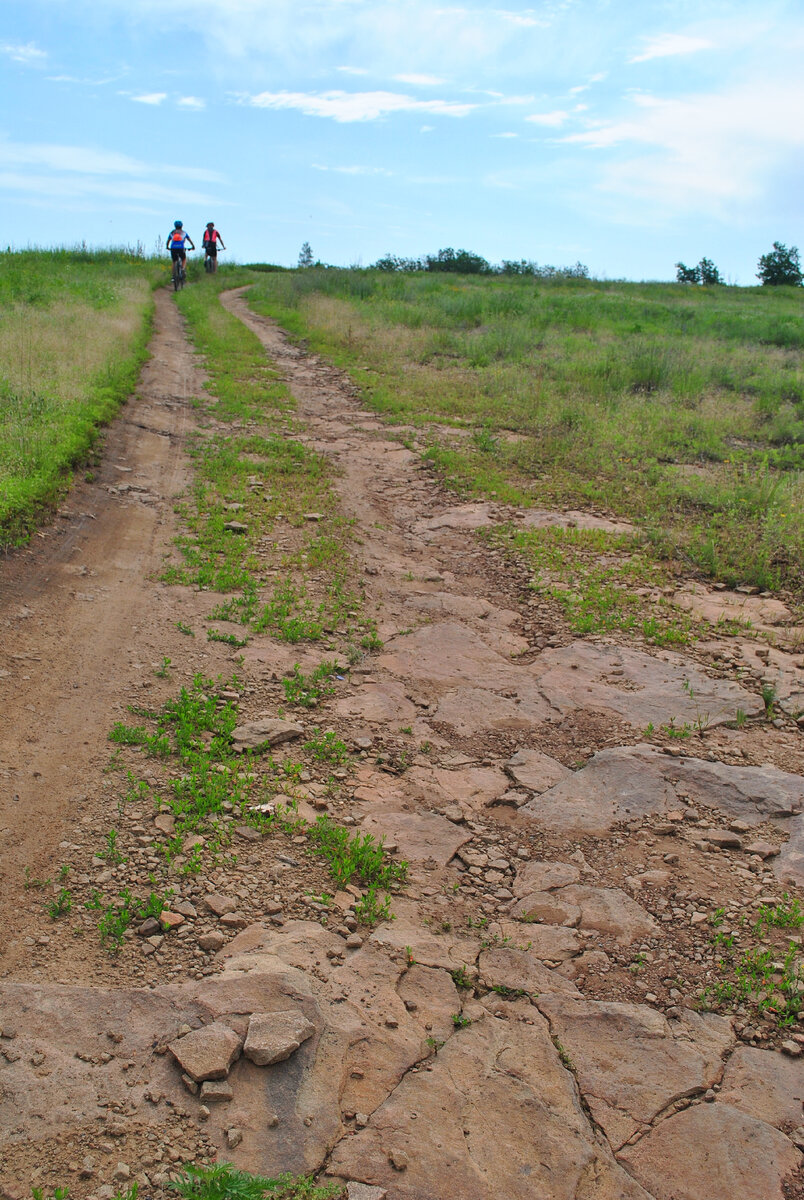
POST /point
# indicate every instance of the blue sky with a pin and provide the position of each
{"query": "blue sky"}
(624, 135)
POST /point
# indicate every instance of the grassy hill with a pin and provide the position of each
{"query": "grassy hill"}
(680, 408)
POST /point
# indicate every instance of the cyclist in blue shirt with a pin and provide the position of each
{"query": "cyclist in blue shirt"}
(177, 240)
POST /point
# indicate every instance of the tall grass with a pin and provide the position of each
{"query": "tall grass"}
(681, 408)
(73, 333)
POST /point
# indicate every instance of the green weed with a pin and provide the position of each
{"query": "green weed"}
(354, 856)
(224, 1182)
(307, 690)
(61, 905)
(229, 639)
(327, 747)
(370, 910)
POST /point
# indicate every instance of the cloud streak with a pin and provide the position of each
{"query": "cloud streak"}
(667, 44)
(345, 107)
(28, 53)
(153, 98)
(353, 170)
(714, 152)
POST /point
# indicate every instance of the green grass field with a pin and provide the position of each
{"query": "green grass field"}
(73, 336)
(679, 408)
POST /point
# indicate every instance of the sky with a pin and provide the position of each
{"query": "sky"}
(624, 134)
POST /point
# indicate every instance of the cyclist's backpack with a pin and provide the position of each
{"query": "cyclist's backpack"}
(177, 239)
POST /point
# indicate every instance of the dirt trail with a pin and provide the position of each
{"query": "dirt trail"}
(82, 622)
(526, 1024)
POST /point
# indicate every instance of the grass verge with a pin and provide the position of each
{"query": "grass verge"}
(74, 335)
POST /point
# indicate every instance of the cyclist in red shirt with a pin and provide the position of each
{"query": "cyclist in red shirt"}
(210, 242)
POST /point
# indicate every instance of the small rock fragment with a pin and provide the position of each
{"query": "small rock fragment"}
(216, 1092)
(273, 1037)
(207, 1053)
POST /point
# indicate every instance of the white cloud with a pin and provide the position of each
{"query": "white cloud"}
(558, 117)
(505, 135)
(85, 82)
(83, 159)
(194, 102)
(353, 70)
(282, 38)
(420, 80)
(712, 152)
(353, 170)
(355, 106)
(28, 54)
(666, 44)
(66, 160)
(524, 20)
(150, 98)
(123, 192)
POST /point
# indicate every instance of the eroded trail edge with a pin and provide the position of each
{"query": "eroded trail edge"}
(527, 1024)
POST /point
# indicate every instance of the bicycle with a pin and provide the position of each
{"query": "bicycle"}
(210, 261)
(179, 274)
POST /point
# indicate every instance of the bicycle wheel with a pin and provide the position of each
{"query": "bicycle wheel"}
(176, 276)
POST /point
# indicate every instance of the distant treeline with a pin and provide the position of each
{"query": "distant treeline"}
(464, 262)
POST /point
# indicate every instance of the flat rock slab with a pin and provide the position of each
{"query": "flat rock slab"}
(362, 1191)
(783, 669)
(760, 612)
(447, 654)
(207, 1053)
(445, 950)
(494, 622)
(419, 836)
(542, 518)
(608, 910)
(464, 516)
(469, 710)
(630, 782)
(473, 787)
(273, 1037)
(264, 731)
(378, 703)
(641, 688)
(61, 1022)
(631, 1062)
(535, 771)
(541, 876)
(789, 865)
(550, 943)
(497, 1116)
(765, 1084)
(517, 971)
(712, 1152)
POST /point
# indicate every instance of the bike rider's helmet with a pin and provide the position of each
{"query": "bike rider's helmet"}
(210, 224)
(177, 224)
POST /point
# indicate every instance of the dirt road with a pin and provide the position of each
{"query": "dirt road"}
(527, 1024)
